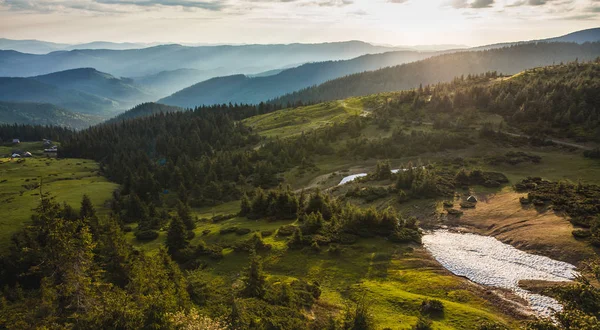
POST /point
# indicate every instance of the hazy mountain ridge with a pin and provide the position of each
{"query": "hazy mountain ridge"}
(244, 89)
(443, 68)
(80, 90)
(92, 81)
(152, 60)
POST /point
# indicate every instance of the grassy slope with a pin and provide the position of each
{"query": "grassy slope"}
(66, 179)
(394, 278)
(294, 121)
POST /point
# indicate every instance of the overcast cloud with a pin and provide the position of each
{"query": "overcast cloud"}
(470, 22)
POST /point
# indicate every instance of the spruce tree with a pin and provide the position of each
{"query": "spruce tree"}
(176, 236)
(185, 214)
(254, 281)
(246, 206)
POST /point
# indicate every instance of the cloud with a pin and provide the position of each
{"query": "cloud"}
(107, 5)
(460, 4)
(482, 3)
(398, 1)
(536, 3)
(208, 5)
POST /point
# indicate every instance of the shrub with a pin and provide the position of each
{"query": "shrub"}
(581, 233)
(454, 212)
(146, 235)
(432, 307)
(315, 247)
(229, 230)
(242, 231)
(423, 324)
(348, 238)
(334, 249)
(405, 235)
(205, 232)
(491, 326)
(287, 230)
(266, 233)
(448, 204)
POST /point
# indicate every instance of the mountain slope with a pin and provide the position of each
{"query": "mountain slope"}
(43, 114)
(31, 90)
(244, 89)
(98, 83)
(166, 83)
(145, 110)
(589, 35)
(444, 68)
(141, 62)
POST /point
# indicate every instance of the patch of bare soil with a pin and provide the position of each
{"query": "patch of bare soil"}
(524, 227)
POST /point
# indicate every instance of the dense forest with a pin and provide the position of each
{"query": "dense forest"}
(444, 68)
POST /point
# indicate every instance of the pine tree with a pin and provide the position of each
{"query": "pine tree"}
(254, 281)
(176, 236)
(185, 214)
(246, 206)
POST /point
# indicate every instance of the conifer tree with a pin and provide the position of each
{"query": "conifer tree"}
(177, 238)
(254, 281)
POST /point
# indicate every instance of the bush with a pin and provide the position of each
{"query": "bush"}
(454, 212)
(266, 233)
(146, 235)
(205, 232)
(423, 324)
(581, 233)
(334, 250)
(242, 231)
(229, 230)
(405, 235)
(348, 238)
(448, 204)
(432, 307)
(287, 230)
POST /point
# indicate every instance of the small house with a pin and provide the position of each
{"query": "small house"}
(16, 156)
(27, 154)
(472, 199)
(16, 141)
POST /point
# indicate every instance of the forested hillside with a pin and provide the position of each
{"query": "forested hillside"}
(31, 90)
(43, 114)
(245, 89)
(444, 68)
(144, 110)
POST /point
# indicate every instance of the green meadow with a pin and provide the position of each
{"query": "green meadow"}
(21, 181)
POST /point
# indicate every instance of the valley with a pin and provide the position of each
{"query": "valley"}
(403, 190)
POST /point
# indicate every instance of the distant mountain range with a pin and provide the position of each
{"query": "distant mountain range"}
(580, 37)
(244, 89)
(80, 90)
(444, 68)
(45, 47)
(43, 114)
(148, 61)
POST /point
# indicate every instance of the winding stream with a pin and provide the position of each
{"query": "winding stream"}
(487, 261)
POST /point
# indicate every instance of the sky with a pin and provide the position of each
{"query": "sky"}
(390, 22)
